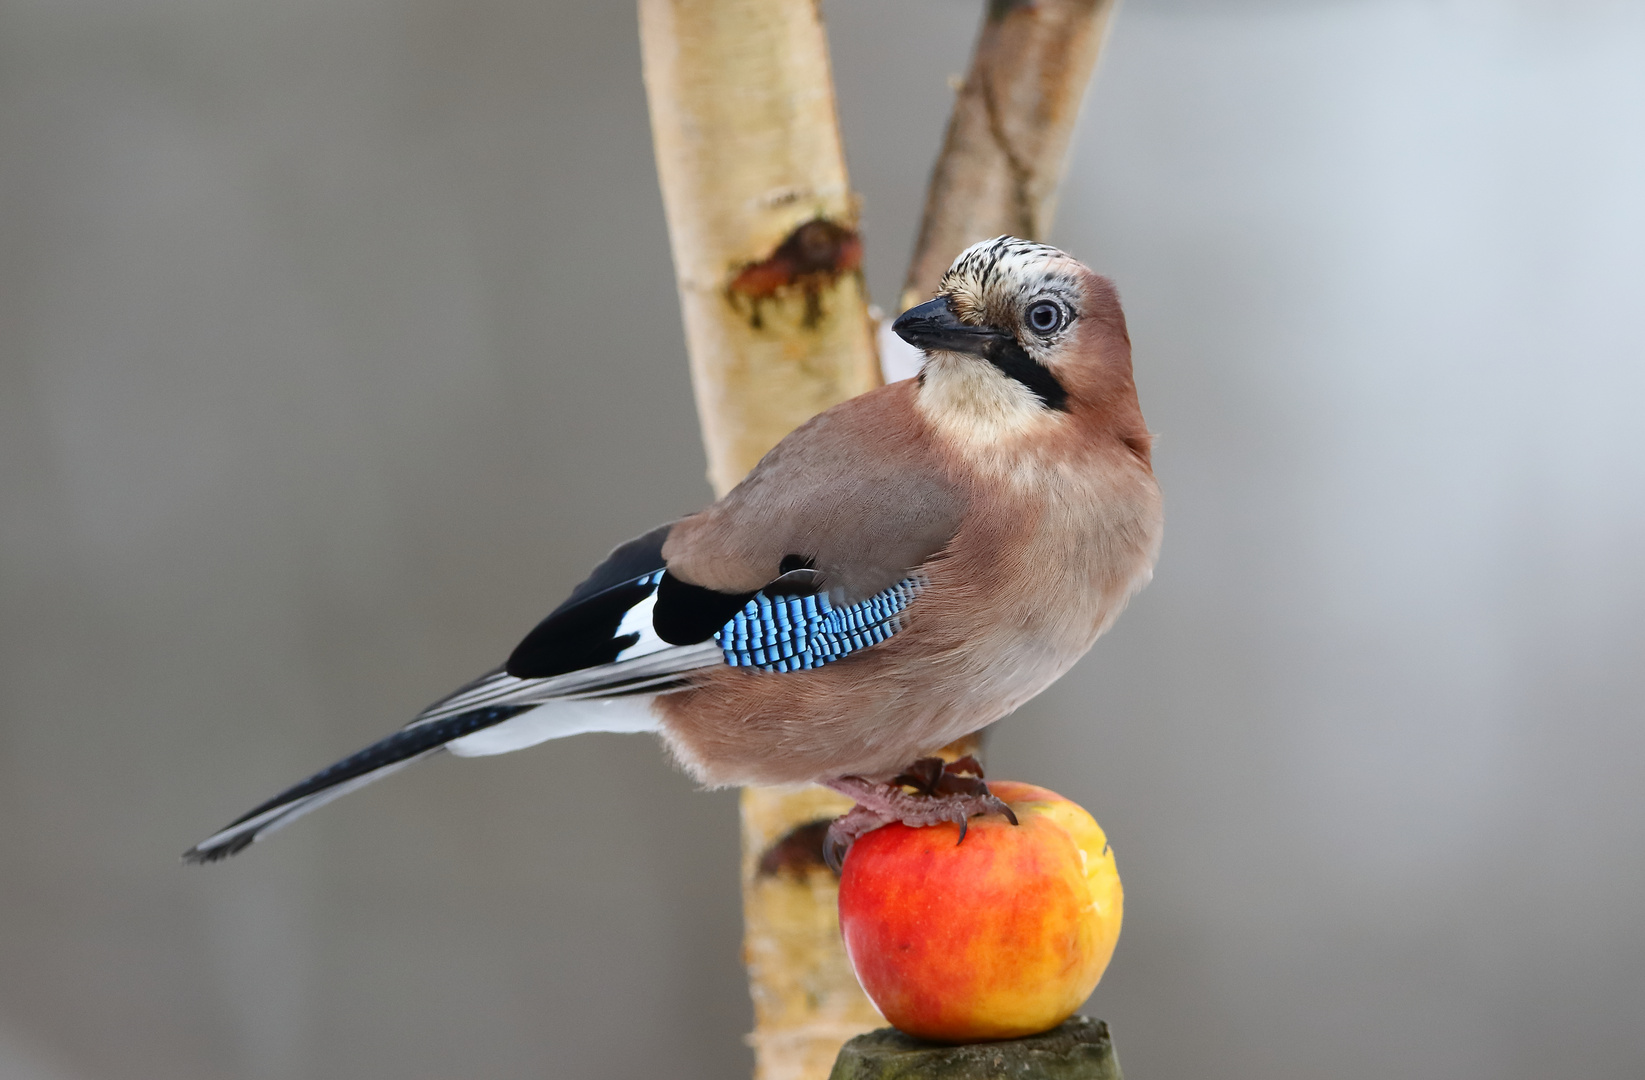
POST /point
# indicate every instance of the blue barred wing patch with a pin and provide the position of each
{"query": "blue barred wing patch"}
(793, 633)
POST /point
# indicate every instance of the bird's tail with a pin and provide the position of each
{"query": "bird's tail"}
(355, 771)
(617, 665)
(493, 715)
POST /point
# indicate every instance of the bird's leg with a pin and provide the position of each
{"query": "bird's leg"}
(952, 792)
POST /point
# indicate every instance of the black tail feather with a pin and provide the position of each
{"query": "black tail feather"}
(382, 756)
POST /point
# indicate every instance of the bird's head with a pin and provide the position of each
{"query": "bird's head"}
(1021, 339)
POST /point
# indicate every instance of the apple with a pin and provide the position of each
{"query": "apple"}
(1001, 936)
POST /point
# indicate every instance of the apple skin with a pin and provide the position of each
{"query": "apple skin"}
(1001, 936)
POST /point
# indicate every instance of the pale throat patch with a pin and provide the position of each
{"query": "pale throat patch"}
(977, 406)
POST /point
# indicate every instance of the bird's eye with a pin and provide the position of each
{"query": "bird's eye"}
(1045, 317)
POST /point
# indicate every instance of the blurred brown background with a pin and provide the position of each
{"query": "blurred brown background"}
(337, 339)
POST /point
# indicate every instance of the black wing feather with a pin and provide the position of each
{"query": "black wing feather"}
(579, 636)
(686, 614)
(581, 631)
(627, 561)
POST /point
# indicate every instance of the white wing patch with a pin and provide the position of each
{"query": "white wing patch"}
(638, 621)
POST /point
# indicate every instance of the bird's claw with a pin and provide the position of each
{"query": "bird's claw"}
(954, 791)
(843, 831)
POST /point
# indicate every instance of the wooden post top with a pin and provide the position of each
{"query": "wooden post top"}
(1078, 1049)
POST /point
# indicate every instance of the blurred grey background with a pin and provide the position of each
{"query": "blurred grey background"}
(337, 339)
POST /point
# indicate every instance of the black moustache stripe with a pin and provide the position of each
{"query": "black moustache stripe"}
(1010, 358)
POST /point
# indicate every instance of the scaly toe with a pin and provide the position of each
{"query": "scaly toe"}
(845, 831)
(954, 793)
(998, 805)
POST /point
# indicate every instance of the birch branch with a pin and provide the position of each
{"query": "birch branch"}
(1007, 142)
(761, 218)
(763, 224)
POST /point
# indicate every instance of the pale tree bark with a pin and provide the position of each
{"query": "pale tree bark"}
(761, 218)
(762, 223)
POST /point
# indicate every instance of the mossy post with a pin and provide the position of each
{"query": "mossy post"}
(1079, 1049)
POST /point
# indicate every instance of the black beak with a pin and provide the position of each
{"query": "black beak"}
(933, 326)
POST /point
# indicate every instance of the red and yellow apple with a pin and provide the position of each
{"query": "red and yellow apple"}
(1001, 936)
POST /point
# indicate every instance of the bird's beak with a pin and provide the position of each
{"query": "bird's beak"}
(934, 327)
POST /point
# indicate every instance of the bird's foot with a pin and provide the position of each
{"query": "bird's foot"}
(940, 792)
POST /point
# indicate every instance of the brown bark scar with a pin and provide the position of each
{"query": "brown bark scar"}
(808, 261)
(798, 851)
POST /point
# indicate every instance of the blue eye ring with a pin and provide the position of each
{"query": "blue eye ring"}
(1045, 317)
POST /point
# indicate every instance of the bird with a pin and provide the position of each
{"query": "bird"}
(900, 571)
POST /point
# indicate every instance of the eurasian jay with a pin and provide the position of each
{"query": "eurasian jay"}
(902, 570)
